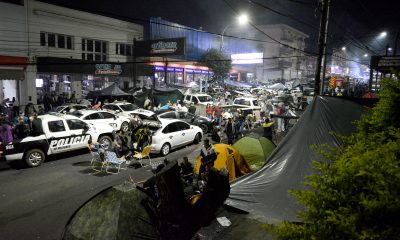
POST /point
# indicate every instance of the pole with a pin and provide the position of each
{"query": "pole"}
(134, 64)
(323, 27)
(165, 71)
(395, 43)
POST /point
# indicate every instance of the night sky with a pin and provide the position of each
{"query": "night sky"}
(352, 22)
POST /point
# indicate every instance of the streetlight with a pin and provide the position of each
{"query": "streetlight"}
(365, 55)
(242, 19)
(383, 34)
(343, 48)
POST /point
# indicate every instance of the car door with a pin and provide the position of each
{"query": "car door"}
(94, 118)
(186, 134)
(77, 129)
(112, 120)
(172, 134)
(59, 137)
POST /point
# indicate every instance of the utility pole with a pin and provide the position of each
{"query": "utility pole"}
(323, 28)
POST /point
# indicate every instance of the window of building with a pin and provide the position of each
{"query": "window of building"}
(56, 40)
(124, 49)
(94, 50)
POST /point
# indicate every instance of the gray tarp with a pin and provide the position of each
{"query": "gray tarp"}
(265, 192)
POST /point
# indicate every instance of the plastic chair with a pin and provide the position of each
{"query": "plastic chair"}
(114, 162)
(144, 154)
(97, 161)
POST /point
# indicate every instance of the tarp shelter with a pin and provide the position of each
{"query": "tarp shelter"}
(237, 84)
(110, 93)
(158, 96)
(254, 150)
(277, 86)
(229, 158)
(115, 213)
(265, 192)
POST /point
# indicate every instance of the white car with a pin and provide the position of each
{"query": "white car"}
(70, 108)
(121, 108)
(147, 117)
(172, 134)
(119, 123)
(246, 103)
(198, 98)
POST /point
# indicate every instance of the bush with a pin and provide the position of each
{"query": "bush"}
(355, 192)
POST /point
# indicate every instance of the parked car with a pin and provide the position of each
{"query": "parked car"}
(119, 123)
(148, 118)
(203, 122)
(198, 98)
(173, 134)
(121, 108)
(61, 133)
(70, 108)
(246, 103)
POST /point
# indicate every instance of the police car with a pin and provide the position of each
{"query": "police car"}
(119, 123)
(61, 133)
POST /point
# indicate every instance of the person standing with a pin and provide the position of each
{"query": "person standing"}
(15, 107)
(37, 128)
(268, 126)
(192, 109)
(230, 130)
(6, 132)
(208, 156)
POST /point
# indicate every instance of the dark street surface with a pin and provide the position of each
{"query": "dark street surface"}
(36, 203)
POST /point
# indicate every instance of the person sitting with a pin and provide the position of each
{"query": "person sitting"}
(21, 129)
(144, 139)
(186, 170)
(208, 156)
(120, 145)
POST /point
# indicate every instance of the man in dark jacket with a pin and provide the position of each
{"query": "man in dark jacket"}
(230, 130)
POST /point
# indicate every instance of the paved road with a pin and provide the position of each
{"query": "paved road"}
(36, 203)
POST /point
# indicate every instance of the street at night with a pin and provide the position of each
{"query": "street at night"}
(195, 120)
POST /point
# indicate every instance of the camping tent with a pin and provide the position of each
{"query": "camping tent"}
(265, 192)
(158, 96)
(229, 158)
(115, 213)
(254, 150)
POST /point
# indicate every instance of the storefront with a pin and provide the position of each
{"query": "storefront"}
(12, 71)
(69, 77)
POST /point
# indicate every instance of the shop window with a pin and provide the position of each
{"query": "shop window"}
(51, 40)
(61, 41)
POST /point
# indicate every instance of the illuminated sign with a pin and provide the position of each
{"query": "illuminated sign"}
(160, 47)
(247, 58)
(108, 69)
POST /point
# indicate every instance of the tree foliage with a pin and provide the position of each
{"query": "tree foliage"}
(217, 62)
(355, 192)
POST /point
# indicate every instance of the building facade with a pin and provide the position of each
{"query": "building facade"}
(68, 52)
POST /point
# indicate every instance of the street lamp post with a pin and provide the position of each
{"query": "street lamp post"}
(242, 19)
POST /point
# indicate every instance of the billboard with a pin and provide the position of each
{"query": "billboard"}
(247, 58)
(160, 47)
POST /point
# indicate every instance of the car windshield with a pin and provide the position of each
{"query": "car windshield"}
(128, 107)
(76, 114)
(204, 98)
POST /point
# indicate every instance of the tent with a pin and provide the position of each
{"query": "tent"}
(277, 86)
(254, 150)
(229, 158)
(109, 93)
(265, 192)
(115, 213)
(158, 96)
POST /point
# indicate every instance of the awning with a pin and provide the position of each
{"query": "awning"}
(12, 74)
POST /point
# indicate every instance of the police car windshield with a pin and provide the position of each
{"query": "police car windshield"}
(128, 107)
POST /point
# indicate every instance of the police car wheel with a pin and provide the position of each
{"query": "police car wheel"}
(34, 157)
(124, 126)
(105, 141)
(197, 138)
(165, 149)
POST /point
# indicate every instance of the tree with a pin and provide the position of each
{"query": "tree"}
(217, 62)
(355, 192)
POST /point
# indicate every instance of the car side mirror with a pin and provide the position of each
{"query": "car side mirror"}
(117, 111)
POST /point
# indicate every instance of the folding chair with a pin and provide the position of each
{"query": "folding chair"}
(97, 161)
(144, 154)
(114, 162)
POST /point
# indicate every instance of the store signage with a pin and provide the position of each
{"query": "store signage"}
(160, 47)
(108, 69)
(247, 58)
(169, 69)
